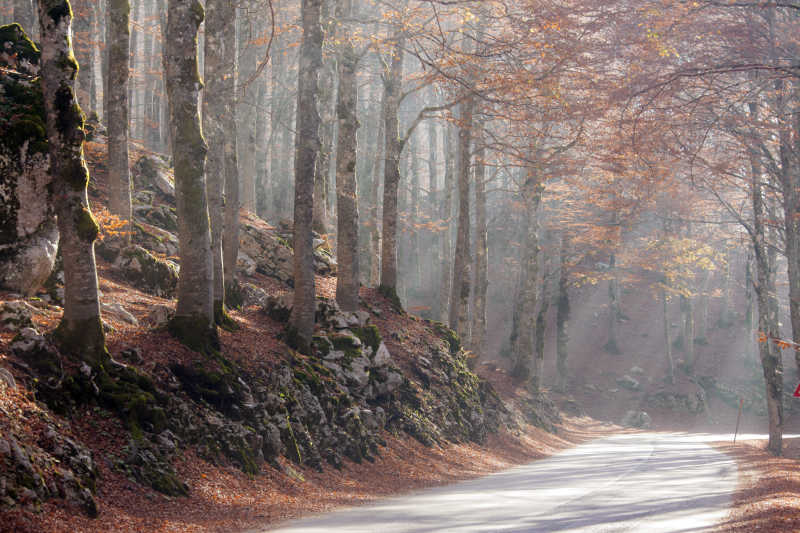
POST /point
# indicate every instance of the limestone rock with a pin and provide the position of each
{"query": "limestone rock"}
(160, 315)
(150, 172)
(119, 312)
(146, 272)
(628, 382)
(16, 314)
(28, 232)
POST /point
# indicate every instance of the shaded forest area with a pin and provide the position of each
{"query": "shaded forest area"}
(280, 233)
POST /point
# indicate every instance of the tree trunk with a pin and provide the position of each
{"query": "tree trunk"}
(220, 49)
(118, 44)
(541, 325)
(447, 213)
(347, 279)
(612, 346)
(391, 181)
(374, 211)
(481, 252)
(194, 318)
(307, 147)
(687, 319)
(770, 354)
(667, 337)
(83, 16)
(523, 351)
(80, 331)
(460, 288)
(230, 147)
(328, 113)
(25, 15)
(562, 319)
(702, 319)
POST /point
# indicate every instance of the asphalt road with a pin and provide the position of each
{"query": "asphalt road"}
(650, 482)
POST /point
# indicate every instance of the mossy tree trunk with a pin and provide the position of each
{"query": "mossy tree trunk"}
(481, 250)
(194, 318)
(375, 205)
(118, 50)
(537, 374)
(347, 280)
(81, 330)
(393, 80)
(460, 287)
(307, 147)
(667, 335)
(220, 47)
(230, 240)
(328, 117)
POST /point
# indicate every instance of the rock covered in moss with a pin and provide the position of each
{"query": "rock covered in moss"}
(28, 232)
(151, 172)
(146, 272)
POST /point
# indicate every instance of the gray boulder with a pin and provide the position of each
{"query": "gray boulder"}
(28, 232)
(150, 172)
(146, 272)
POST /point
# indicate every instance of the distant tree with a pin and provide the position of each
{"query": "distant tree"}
(194, 318)
(118, 50)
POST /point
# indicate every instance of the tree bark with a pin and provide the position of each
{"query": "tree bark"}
(220, 49)
(347, 279)
(541, 325)
(667, 336)
(393, 79)
(447, 213)
(118, 45)
(80, 331)
(307, 147)
(770, 354)
(612, 346)
(230, 147)
(562, 319)
(523, 350)
(194, 318)
(460, 288)
(481, 252)
(83, 16)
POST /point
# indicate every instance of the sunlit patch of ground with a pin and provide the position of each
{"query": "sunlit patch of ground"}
(768, 495)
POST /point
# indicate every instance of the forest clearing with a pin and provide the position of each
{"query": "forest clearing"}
(414, 265)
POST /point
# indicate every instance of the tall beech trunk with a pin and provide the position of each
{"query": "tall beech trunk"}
(532, 190)
(118, 49)
(347, 280)
(80, 331)
(307, 146)
(220, 48)
(393, 79)
(447, 213)
(25, 15)
(83, 18)
(460, 288)
(194, 318)
(612, 346)
(375, 214)
(481, 251)
(230, 147)
(667, 335)
(764, 286)
(688, 334)
(562, 318)
(328, 116)
(537, 373)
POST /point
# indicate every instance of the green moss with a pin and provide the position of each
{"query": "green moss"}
(450, 336)
(169, 484)
(23, 47)
(87, 226)
(195, 332)
(84, 339)
(222, 318)
(322, 345)
(296, 341)
(390, 293)
(369, 336)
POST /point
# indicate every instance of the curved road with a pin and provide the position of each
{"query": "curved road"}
(648, 482)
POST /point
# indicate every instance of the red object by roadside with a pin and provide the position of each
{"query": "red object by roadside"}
(797, 392)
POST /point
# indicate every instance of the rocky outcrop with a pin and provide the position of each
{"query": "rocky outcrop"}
(637, 419)
(28, 232)
(152, 173)
(146, 272)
